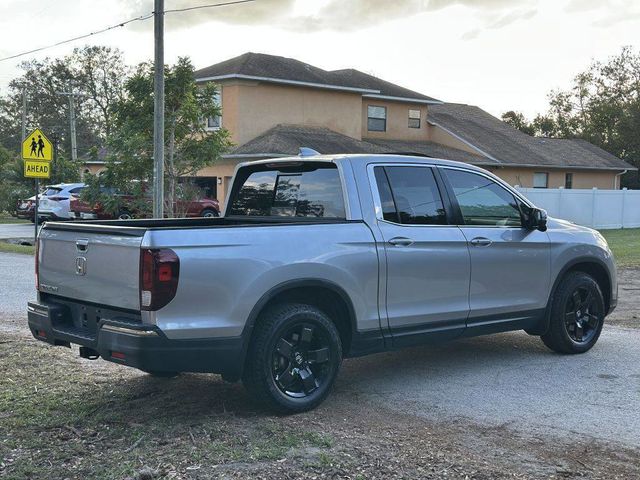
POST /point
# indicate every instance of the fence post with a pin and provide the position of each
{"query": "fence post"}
(593, 207)
(560, 202)
(624, 200)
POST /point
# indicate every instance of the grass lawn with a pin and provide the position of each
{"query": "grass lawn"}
(13, 248)
(625, 244)
(4, 220)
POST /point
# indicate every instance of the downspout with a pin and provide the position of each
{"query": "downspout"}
(615, 179)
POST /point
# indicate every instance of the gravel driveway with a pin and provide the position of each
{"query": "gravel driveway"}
(508, 382)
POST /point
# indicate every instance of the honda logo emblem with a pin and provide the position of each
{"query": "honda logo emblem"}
(81, 265)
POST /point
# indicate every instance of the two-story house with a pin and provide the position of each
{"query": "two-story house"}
(273, 105)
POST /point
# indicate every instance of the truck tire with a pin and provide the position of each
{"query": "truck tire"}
(124, 215)
(577, 315)
(293, 359)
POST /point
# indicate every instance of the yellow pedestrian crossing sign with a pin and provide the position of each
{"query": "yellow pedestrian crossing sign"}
(36, 146)
(37, 169)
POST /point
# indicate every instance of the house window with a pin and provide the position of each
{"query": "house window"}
(414, 118)
(540, 180)
(376, 118)
(214, 123)
(568, 180)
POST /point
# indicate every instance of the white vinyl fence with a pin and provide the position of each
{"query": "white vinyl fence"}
(592, 208)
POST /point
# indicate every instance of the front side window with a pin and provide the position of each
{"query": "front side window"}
(214, 123)
(482, 201)
(414, 118)
(376, 118)
(312, 192)
(540, 180)
(410, 195)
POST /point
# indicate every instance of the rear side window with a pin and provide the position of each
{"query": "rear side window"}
(482, 201)
(52, 191)
(309, 192)
(410, 195)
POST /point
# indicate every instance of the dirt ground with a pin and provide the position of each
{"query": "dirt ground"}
(627, 313)
(65, 417)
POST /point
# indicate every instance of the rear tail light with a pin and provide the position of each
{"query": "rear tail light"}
(159, 272)
(57, 199)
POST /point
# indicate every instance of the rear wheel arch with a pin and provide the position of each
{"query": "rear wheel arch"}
(322, 294)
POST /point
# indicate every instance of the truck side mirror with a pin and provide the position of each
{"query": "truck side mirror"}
(536, 219)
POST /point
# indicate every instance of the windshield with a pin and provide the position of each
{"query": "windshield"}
(303, 191)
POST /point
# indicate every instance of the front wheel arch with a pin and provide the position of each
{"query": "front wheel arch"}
(588, 265)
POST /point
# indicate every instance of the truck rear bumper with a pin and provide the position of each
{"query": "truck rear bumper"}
(137, 345)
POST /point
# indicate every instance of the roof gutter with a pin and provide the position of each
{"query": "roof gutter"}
(286, 82)
(404, 99)
(615, 179)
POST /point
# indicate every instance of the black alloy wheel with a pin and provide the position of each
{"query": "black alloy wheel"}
(582, 315)
(576, 316)
(293, 358)
(300, 362)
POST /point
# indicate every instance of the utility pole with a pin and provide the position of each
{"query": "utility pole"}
(24, 114)
(37, 182)
(72, 120)
(158, 110)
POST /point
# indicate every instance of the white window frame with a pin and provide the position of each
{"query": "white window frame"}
(219, 102)
(546, 180)
(377, 118)
(412, 116)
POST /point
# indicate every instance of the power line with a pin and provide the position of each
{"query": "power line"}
(140, 18)
(211, 5)
(80, 37)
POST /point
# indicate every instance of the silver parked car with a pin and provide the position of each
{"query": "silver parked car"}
(320, 258)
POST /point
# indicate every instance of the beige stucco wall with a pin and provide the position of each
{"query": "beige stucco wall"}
(397, 120)
(438, 135)
(581, 179)
(251, 108)
(224, 171)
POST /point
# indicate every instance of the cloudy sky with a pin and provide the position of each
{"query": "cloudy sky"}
(498, 54)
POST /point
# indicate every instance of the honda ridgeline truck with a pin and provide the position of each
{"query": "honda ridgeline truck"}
(319, 258)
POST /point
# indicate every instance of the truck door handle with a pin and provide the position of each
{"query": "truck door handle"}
(401, 241)
(480, 242)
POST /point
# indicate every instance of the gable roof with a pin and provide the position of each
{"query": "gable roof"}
(428, 149)
(503, 144)
(285, 140)
(276, 69)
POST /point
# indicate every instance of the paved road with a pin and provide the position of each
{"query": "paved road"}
(508, 379)
(16, 230)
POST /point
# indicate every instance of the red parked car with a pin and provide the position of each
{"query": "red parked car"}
(204, 207)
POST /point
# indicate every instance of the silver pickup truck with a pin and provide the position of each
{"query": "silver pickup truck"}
(316, 259)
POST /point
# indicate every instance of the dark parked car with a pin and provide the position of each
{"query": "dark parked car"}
(204, 207)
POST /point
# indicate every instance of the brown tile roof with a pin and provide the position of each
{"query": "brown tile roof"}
(287, 139)
(275, 68)
(499, 141)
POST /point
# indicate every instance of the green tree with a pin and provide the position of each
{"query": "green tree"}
(518, 120)
(189, 146)
(602, 106)
(97, 73)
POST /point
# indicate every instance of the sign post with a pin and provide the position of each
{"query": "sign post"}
(37, 153)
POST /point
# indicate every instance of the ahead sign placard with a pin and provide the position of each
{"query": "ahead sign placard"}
(36, 146)
(37, 169)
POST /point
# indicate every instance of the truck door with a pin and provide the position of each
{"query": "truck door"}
(427, 259)
(510, 264)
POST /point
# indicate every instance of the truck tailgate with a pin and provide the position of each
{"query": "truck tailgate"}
(98, 265)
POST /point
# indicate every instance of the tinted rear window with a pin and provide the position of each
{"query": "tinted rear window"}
(290, 192)
(51, 191)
